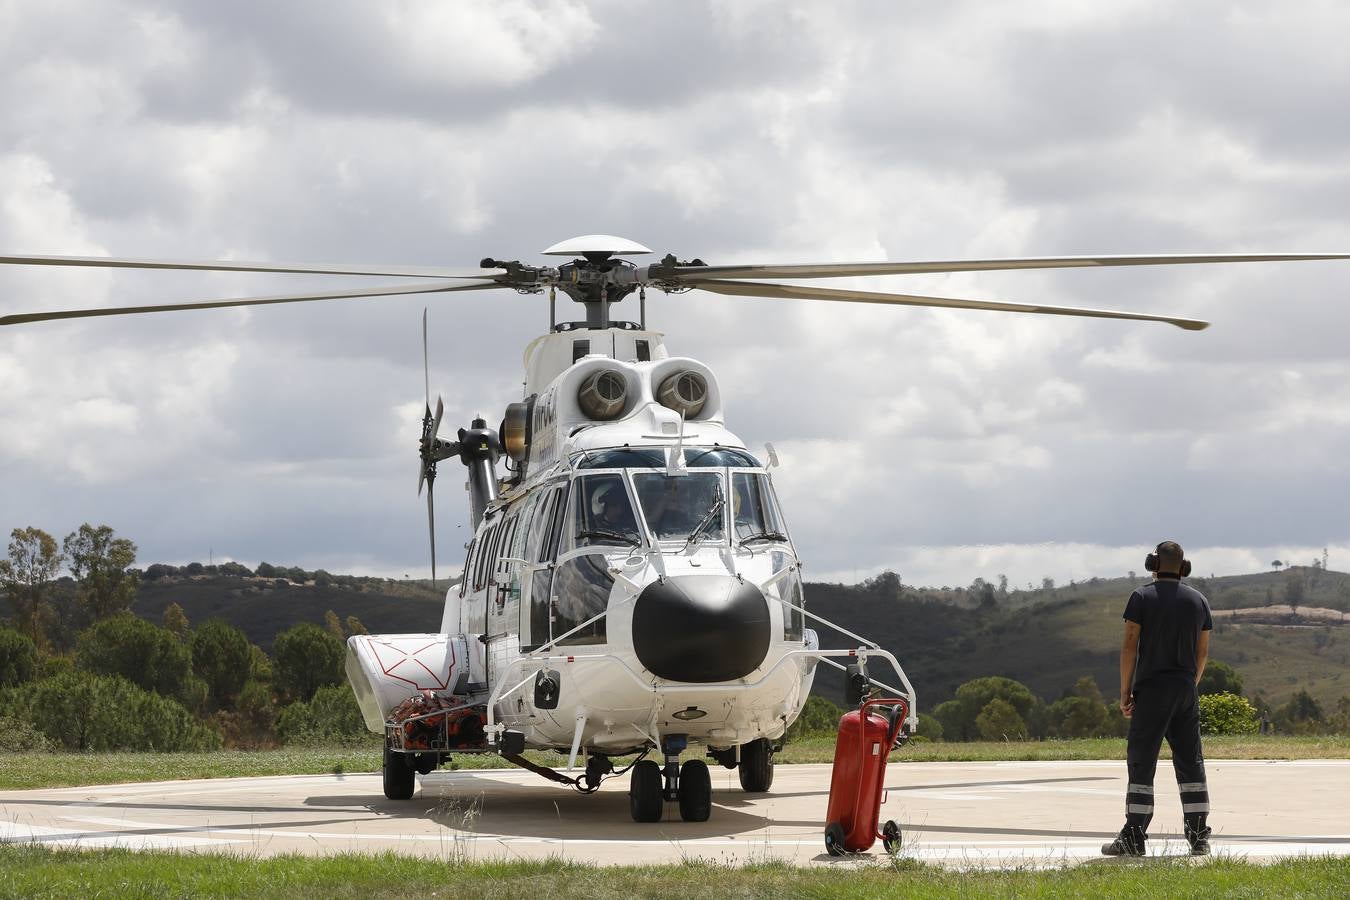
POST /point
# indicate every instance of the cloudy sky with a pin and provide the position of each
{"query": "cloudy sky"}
(944, 445)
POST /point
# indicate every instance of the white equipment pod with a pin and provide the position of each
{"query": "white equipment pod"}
(386, 669)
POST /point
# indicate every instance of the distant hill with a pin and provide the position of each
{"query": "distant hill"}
(263, 607)
(1045, 638)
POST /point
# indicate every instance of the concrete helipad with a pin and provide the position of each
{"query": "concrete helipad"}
(1004, 813)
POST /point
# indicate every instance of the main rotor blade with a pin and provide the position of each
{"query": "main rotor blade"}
(760, 289)
(385, 291)
(426, 362)
(840, 270)
(226, 265)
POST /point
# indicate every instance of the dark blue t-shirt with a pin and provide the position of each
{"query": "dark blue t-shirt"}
(1170, 616)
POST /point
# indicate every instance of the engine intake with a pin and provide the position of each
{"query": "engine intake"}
(685, 392)
(603, 394)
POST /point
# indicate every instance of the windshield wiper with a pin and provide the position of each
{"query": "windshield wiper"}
(707, 520)
(765, 536)
(609, 535)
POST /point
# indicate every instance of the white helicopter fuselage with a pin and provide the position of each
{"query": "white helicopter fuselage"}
(588, 566)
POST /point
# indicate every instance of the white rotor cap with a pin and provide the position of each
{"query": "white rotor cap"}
(597, 243)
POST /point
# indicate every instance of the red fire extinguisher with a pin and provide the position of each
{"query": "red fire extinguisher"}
(859, 774)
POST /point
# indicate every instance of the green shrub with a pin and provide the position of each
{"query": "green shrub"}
(999, 721)
(18, 736)
(819, 717)
(1227, 714)
(18, 658)
(82, 711)
(331, 717)
(930, 729)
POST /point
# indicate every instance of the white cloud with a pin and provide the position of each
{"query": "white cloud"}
(440, 134)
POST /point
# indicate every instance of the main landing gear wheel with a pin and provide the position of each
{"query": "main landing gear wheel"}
(399, 781)
(646, 798)
(890, 837)
(756, 768)
(695, 791)
(834, 839)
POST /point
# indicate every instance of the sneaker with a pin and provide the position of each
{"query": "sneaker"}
(1199, 841)
(1125, 844)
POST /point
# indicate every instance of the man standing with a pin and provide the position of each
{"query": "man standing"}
(1167, 628)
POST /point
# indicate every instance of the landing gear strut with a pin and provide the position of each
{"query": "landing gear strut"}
(653, 785)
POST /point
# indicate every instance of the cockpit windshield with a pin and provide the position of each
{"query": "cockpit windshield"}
(682, 507)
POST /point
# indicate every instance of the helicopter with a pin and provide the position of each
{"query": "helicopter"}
(631, 585)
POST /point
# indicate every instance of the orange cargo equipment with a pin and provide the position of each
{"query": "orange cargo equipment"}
(859, 774)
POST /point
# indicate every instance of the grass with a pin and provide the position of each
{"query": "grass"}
(45, 770)
(27, 871)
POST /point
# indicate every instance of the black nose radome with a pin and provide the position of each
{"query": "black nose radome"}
(701, 628)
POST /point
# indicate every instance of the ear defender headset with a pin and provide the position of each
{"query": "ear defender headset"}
(1151, 561)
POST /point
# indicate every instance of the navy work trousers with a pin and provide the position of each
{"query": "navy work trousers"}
(1166, 707)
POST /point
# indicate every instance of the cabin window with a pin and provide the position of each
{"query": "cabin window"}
(677, 506)
(790, 589)
(602, 513)
(644, 350)
(580, 349)
(581, 589)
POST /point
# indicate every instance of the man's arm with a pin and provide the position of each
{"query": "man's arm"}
(1129, 650)
(1201, 654)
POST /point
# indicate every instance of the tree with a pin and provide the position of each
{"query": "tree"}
(221, 657)
(1047, 583)
(334, 625)
(266, 570)
(18, 658)
(1220, 678)
(1081, 713)
(306, 658)
(354, 626)
(33, 562)
(147, 656)
(958, 715)
(999, 721)
(1293, 589)
(87, 712)
(1276, 565)
(176, 621)
(1301, 715)
(99, 562)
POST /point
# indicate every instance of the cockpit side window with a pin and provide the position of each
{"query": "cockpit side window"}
(602, 513)
(754, 513)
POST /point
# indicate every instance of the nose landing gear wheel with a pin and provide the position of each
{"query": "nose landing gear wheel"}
(756, 768)
(695, 791)
(399, 782)
(646, 801)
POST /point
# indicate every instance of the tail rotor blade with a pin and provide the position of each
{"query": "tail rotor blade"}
(431, 529)
(436, 421)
